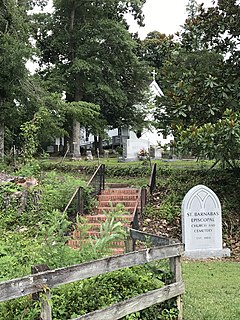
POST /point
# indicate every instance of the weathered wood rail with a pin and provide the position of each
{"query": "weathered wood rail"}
(44, 281)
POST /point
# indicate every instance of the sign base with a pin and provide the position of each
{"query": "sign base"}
(204, 254)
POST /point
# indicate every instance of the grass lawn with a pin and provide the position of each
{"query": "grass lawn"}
(191, 164)
(212, 290)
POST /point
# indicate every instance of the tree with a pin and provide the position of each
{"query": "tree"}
(195, 91)
(92, 57)
(13, 55)
(157, 48)
(201, 81)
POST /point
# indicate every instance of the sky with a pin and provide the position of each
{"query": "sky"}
(165, 16)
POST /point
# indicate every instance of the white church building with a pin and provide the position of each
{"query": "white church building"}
(127, 139)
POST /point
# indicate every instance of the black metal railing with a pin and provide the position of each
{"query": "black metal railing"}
(152, 183)
(97, 181)
(138, 210)
(80, 200)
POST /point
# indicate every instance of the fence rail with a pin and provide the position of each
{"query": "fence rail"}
(44, 281)
(143, 301)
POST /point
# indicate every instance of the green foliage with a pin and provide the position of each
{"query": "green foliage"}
(195, 91)
(173, 185)
(201, 81)
(29, 132)
(95, 293)
(30, 169)
(112, 170)
(111, 230)
(157, 48)
(219, 140)
(88, 71)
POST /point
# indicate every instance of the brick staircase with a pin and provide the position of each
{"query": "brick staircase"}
(113, 194)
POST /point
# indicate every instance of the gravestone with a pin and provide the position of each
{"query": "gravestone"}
(132, 147)
(158, 153)
(89, 155)
(202, 224)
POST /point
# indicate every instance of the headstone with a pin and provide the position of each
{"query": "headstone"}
(133, 146)
(202, 224)
(89, 155)
(158, 153)
(106, 153)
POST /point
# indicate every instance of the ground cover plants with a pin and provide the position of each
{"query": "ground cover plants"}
(37, 232)
(40, 229)
(172, 185)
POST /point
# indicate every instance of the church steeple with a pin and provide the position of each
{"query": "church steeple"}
(154, 73)
(154, 87)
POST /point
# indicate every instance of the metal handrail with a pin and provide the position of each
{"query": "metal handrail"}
(96, 189)
(141, 199)
(71, 200)
(152, 183)
(100, 171)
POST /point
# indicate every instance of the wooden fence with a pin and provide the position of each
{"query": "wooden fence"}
(44, 281)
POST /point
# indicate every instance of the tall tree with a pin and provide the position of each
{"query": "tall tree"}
(202, 81)
(92, 57)
(14, 51)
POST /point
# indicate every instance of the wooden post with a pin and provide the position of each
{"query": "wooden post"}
(127, 240)
(175, 268)
(44, 296)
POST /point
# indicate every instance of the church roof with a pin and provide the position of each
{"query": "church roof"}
(154, 87)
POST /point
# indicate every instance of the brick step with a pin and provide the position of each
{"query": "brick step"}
(102, 217)
(113, 203)
(117, 197)
(93, 233)
(117, 251)
(120, 191)
(76, 244)
(117, 185)
(114, 244)
(99, 210)
(91, 225)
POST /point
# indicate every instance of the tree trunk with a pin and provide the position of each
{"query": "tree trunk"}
(2, 130)
(1, 141)
(75, 147)
(76, 139)
(95, 144)
(100, 145)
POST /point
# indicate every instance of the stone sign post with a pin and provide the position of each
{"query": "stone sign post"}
(202, 224)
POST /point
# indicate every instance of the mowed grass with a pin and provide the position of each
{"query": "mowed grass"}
(212, 290)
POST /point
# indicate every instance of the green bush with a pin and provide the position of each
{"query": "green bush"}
(98, 292)
(73, 300)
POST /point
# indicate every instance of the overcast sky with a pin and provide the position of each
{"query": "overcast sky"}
(165, 16)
